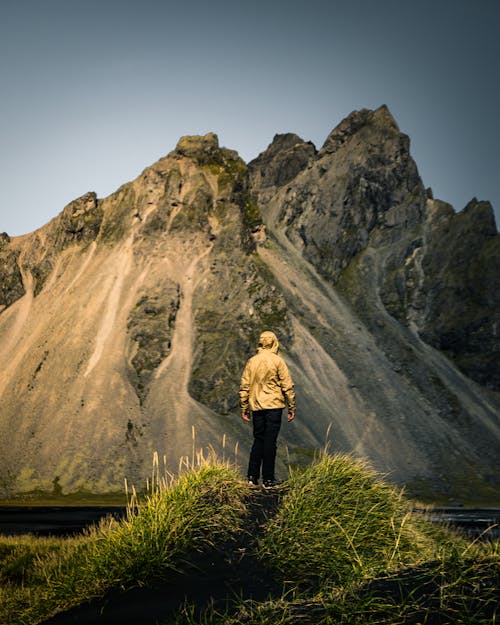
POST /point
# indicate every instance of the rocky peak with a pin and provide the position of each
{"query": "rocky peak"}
(4, 239)
(79, 221)
(445, 285)
(363, 181)
(81, 205)
(438, 211)
(282, 143)
(479, 216)
(281, 162)
(381, 118)
(201, 148)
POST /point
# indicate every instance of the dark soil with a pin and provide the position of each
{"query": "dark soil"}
(221, 577)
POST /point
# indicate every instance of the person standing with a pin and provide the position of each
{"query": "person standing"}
(266, 388)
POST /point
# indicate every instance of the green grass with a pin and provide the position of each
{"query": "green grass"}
(460, 592)
(339, 522)
(44, 576)
(452, 595)
(351, 551)
(347, 546)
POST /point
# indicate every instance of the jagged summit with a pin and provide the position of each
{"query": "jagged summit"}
(125, 321)
(481, 213)
(284, 142)
(193, 146)
(204, 149)
(354, 122)
(284, 158)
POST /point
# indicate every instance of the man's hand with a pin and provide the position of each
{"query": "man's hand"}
(245, 416)
(291, 416)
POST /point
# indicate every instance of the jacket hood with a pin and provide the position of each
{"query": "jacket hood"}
(268, 340)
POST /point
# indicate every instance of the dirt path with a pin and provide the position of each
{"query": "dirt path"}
(221, 577)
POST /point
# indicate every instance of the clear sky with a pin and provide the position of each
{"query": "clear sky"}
(94, 91)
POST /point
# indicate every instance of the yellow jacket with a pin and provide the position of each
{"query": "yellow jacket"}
(265, 382)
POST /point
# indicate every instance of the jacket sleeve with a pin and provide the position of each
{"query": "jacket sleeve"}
(245, 389)
(287, 385)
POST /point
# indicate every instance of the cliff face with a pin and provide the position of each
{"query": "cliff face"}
(126, 321)
(361, 195)
(362, 179)
(446, 286)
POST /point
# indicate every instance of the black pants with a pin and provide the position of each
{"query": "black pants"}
(266, 427)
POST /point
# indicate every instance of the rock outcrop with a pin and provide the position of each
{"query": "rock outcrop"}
(446, 286)
(11, 281)
(362, 178)
(126, 321)
(437, 271)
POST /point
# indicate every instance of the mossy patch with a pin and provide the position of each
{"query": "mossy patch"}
(197, 204)
(79, 222)
(349, 283)
(118, 213)
(41, 272)
(77, 498)
(156, 224)
(203, 150)
(11, 282)
(269, 303)
(150, 326)
(234, 307)
(231, 175)
(465, 487)
(252, 215)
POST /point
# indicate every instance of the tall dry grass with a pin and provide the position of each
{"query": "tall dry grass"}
(179, 515)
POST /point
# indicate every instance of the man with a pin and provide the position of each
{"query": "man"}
(266, 387)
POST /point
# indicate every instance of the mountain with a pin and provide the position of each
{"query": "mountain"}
(126, 321)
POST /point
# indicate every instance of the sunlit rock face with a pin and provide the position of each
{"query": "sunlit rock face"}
(126, 321)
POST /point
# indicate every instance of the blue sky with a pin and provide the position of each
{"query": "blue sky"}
(95, 91)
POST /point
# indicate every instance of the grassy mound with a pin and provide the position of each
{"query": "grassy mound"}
(451, 592)
(338, 522)
(348, 546)
(45, 576)
(353, 552)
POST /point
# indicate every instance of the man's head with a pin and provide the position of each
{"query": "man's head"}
(268, 340)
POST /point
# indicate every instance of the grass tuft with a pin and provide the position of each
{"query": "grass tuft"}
(348, 546)
(339, 522)
(177, 517)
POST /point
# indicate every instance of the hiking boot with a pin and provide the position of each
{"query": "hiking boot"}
(270, 483)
